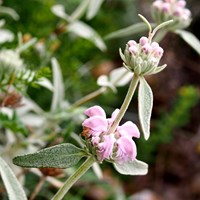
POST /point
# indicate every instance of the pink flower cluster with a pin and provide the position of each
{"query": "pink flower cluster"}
(117, 146)
(148, 49)
(173, 8)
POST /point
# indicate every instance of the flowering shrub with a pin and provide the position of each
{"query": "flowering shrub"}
(24, 122)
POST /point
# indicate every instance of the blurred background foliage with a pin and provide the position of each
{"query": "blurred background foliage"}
(176, 90)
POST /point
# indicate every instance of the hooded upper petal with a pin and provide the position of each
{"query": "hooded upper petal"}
(113, 116)
(97, 124)
(129, 129)
(95, 111)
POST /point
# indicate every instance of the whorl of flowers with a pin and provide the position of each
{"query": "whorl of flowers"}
(163, 10)
(142, 58)
(117, 146)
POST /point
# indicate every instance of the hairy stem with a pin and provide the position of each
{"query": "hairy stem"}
(125, 104)
(73, 178)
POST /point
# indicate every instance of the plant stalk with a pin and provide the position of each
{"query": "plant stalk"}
(73, 178)
(126, 103)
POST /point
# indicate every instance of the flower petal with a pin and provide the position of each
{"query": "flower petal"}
(129, 129)
(96, 124)
(126, 149)
(95, 111)
(113, 116)
(106, 147)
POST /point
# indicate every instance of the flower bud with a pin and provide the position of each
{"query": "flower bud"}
(142, 58)
(171, 9)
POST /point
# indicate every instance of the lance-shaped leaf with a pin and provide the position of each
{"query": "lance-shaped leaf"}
(130, 30)
(135, 167)
(59, 156)
(191, 39)
(145, 104)
(93, 8)
(13, 187)
(87, 32)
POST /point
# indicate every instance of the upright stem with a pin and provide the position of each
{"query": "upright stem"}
(125, 104)
(73, 178)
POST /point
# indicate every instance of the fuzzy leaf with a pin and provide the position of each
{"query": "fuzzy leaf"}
(145, 104)
(59, 156)
(191, 39)
(13, 187)
(135, 167)
(130, 30)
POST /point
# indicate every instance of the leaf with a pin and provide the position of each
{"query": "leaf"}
(145, 104)
(191, 39)
(6, 36)
(9, 11)
(59, 156)
(83, 30)
(120, 76)
(93, 8)
(130, 30)
(135, 167)
(58, 90)
(13, 187)
(59, 11)
(80, 10)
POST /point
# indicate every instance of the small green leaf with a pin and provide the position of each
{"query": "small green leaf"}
(145, 104)
(130, 30)
(13, 187)
(191, 39)
(59, 156)
(135, 167)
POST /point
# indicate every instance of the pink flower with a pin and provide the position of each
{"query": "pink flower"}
(126, 149)
(105, 148)
(118, 145)
(128, 129)
(97, 122)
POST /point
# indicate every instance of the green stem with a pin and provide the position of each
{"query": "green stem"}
(73, 178)
(88, 97)
(125, 104)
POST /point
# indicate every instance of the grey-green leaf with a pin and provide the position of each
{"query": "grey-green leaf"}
(59, 156)
(191, 39)
(135, 167)
(145, 104)
(93, 8)
(130, 30)
(13, 187)
(85, 31)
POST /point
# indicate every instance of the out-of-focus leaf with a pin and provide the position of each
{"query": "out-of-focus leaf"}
(9, 11)
(135, 167)
(26, 45)
(59, 156)
(58, 90)
(13, 187)
(59, 11)
(83, 30)
(120, 76)
(6, 36)
(145, 104)
(45, 83)
(80, 10)
(93, 8)
(130, 30)
(190, 38)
